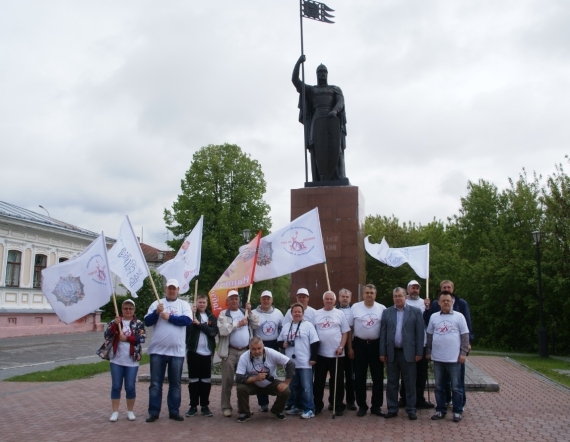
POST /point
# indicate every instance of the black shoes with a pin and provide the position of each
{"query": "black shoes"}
(175, 417)
(391, 414)
(279, 416)
(377, 412)
(244, 417)
(361, 412)
(151, 418)
(351, 407)
(425, 405)
(412, 416)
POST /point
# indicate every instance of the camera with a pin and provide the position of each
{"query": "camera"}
(269, 378)
(291, 343)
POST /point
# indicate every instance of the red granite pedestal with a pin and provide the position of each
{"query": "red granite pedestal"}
(341, 211)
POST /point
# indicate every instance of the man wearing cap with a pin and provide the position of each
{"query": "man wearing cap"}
(401, 346)
(414, 300)
(332, 329)
(169, 318)
(303, 299)
(366, 344)
(271, 322)
(235, 326)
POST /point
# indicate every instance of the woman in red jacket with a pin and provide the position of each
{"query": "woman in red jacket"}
(128, 334)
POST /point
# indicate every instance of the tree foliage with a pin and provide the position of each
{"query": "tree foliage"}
(226, 186)
(487, 250)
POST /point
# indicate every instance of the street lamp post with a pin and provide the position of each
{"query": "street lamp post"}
(542, 342)
(42, 207)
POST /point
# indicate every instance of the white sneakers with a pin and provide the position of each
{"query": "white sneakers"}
(308, 414)
(115, 416)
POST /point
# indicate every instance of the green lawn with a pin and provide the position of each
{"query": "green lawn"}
(69, 372)
(546, 367)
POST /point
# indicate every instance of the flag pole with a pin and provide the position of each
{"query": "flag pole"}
(304, 103)
(327, 273)
(145, 263)
(195, 290)
(427, 276)
(109, 268)
(249, 293)
(115, 304)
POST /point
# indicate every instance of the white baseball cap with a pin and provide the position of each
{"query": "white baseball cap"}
(414, 282)
(266, 293)
(303, 292)
(173, 282)
(233, 293)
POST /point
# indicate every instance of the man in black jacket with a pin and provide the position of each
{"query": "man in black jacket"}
(200, 346)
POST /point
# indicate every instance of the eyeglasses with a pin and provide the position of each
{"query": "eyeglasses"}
(128, 308)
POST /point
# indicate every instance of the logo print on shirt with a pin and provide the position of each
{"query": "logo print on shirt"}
(326, 323)
(369, 320)
(443, 328)
(268, 328)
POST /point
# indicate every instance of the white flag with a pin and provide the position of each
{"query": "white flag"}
(127, 260)
(80, 285)
(416, 256)
(186, 264)
(294, 247)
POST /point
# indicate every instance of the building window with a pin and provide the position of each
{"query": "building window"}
(39, 265)
(63, 259)
(13, 268)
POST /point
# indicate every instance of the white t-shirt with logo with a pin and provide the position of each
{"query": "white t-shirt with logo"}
(169, 339)
(123, 355)
(446, 330)
(239, 337)
(304, 334)
(366, 320)
(202, 349)
(269, 324)
(253, 366)
(330, 325)
(308, 315)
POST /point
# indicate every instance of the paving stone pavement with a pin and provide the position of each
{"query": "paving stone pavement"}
(527, 408)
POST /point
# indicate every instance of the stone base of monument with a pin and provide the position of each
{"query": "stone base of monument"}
(336, 183)
(341, 212)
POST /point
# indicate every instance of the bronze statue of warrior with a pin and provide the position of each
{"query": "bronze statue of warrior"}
(325, 125)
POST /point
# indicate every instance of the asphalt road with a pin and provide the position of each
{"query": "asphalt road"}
(39, 353)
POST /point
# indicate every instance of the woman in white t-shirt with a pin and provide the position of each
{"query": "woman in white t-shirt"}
(128, 334)
(301, 343)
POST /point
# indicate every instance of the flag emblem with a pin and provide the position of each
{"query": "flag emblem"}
(96, 270)
(69, 290)
(265, 255)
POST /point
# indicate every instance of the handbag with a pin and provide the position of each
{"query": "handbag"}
(106, 350)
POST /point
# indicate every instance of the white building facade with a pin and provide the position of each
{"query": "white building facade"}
(30, 242)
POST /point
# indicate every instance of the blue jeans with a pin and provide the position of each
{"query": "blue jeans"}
(158, 364)
(129, 374)
(453, 370)
(302, 390)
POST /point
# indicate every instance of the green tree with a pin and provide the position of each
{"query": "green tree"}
(145, 298)
(226, 186)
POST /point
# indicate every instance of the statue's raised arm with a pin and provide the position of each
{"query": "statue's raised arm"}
(295, 78)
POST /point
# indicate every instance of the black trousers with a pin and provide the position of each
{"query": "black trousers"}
(348, 376)
(367, 354)
(199, 367)
(322, 367)
(263, 399)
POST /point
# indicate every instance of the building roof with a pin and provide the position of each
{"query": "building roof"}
(151, 253)
(18, 213)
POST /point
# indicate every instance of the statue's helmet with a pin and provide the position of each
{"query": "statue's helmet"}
(322, 67)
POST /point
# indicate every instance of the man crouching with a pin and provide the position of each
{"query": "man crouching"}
(255, 374)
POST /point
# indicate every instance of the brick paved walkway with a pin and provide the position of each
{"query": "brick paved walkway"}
(527, 408)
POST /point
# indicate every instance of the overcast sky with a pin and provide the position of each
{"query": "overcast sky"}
(103, 103)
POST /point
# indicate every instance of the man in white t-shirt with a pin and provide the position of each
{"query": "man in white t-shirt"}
(332, 328)
(303, 299)
(414, 300)
(235, 327)
(447, 346)
(270, 323)
(256, 374)
(169, 318)
(366, 316)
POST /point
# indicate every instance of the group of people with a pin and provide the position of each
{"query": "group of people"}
(341, 339)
